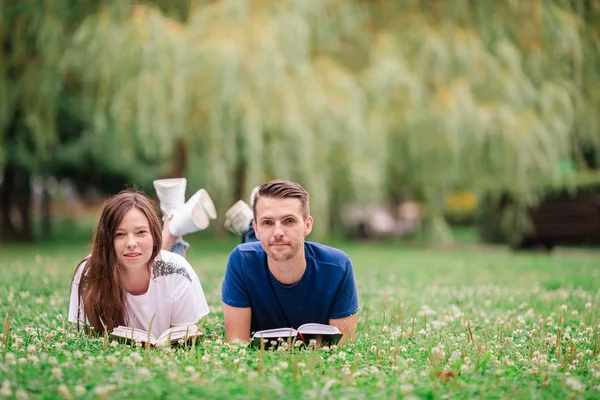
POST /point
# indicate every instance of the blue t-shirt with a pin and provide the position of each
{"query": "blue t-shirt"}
(326, 290)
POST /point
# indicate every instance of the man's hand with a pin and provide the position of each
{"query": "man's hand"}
(237, 323)
(347, 326)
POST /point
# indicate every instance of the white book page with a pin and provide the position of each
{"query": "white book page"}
(178, 332)
(275, 333)
(132, 333)
(318, 329)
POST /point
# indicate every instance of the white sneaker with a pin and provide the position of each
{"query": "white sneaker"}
(171, 194)
(238, 218)
(194, 216)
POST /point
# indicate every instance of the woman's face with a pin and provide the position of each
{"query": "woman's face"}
(132, 241)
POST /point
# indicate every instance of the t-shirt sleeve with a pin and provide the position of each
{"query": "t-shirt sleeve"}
(74, 302)
(189, 303)
(346, 297)
(233, 289)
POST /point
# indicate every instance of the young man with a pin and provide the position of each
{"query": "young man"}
(281, 280)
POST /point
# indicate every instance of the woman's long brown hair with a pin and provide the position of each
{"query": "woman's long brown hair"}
(101, 286)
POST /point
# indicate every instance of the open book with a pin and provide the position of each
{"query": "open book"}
(169, 337)
(322, 334)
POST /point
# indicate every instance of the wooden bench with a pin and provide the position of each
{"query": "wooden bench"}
(565, 220)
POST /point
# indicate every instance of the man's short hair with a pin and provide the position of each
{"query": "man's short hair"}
(282, 189)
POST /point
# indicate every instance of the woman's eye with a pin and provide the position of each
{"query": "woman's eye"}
(141, 232)
(120, 234)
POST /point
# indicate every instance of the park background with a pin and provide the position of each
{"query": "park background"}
(450, 107)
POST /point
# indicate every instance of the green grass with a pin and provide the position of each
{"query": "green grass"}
(472, 322)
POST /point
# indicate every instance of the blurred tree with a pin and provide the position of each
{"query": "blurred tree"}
(43, 124)
(482, 95)
(358, 100)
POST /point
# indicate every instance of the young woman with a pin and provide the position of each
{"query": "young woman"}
(129, 279)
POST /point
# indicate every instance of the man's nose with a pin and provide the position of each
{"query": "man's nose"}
(278, 232)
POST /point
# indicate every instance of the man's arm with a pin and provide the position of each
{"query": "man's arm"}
(237, 322)
(346, 325)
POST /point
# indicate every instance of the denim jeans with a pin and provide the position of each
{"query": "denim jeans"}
(180, 247)
(250, 235)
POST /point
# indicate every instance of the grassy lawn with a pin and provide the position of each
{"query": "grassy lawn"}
(470, 322)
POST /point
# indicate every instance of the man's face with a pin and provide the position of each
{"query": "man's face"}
(280, 227)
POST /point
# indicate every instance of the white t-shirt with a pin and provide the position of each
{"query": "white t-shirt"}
(174, 297)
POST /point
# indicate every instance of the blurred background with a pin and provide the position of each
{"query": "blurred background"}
(402, 118)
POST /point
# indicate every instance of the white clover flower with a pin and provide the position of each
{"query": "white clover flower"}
(31, 349)
(144, 373)
(21, 395)
(301, 365)
(35, 360)
(283, 365)
(406, 388)
(438, 353)
(5, 391)
(563, 308)
(10, 358)
(63, 390)
(57, 373)
(79, 390)
(575, 384)
(102, 391)
(171, 375)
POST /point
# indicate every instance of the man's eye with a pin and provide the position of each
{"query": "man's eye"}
(289, 221)
(267, 223)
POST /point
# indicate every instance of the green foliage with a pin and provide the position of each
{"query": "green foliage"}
(477, 323)
(359, 101)
(503, 216)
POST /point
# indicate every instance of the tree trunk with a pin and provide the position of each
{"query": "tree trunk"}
(22, 201)
(15, 195)
(46, 223)
(8, 231)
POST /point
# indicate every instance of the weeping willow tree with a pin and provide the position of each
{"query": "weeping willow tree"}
(358, 100)
(252, 86)
(482, 95)
(42, 131)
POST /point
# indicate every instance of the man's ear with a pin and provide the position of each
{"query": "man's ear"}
(308, 223)
(254, 227)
